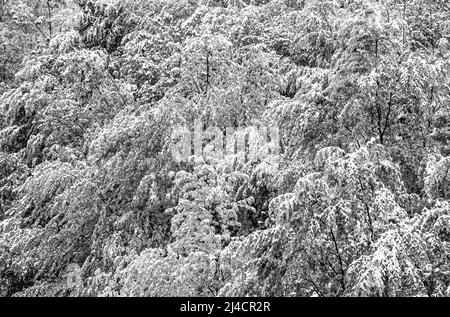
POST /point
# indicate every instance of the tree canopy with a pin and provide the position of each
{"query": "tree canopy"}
(355, 203)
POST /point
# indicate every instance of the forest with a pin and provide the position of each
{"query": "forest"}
(352, 198)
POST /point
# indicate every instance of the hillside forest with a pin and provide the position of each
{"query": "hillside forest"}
(356, 201)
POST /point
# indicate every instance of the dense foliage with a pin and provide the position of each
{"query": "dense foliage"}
(357, 202)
